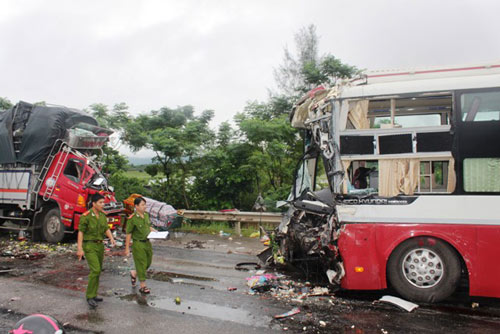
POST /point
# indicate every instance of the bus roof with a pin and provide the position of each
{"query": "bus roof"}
(430, 79)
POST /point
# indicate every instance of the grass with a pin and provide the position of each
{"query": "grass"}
(215, 228)
(141, 175)
(138, 174)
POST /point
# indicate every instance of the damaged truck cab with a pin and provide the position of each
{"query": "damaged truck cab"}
(400, 181)
(48, 170)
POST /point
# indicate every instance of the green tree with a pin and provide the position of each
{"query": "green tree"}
(117, 118)
(177, 137)
(275, 150)
(101, 113)
(114, 162)
(152, 169)
(276, 146)
(305, 69)
(124, 186)
(5, 103)
(224, 177)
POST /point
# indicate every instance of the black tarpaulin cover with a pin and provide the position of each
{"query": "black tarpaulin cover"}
(7, 154)
(44, 126)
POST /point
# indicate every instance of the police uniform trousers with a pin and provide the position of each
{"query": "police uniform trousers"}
(142, 252)
(94, 253)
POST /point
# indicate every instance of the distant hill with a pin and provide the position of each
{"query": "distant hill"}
(139, 161)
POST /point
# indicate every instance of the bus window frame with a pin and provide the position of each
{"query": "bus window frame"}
(459, 129)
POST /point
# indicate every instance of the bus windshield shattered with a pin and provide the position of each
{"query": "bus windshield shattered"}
(397, 180)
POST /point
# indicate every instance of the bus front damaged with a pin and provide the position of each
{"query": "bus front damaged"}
(309, 229)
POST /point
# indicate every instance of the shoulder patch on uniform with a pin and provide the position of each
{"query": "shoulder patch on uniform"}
(131, 216)
(85, 213)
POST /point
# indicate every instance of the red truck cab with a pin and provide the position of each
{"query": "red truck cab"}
(49, 170)
(78, 179)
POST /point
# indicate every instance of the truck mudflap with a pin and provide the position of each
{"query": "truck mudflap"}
(307, 233)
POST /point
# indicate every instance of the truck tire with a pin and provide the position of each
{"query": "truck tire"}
(424, 269)
(52, 226)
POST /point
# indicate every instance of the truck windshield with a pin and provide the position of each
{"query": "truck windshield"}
(74, 169)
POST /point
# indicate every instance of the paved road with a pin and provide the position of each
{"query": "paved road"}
(54, 285)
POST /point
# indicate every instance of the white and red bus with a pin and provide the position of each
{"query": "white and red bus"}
(411, 165)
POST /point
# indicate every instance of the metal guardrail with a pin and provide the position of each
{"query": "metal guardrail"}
(251, 218)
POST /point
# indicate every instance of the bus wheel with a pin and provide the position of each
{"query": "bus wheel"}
(424, 269)
(52, 226)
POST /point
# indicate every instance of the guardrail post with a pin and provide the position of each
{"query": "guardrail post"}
(237, 227)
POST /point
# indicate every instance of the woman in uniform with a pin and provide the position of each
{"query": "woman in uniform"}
(92, 228)
(138, 228)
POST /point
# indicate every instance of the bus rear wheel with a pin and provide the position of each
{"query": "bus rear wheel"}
(424, 269)
(52, 226)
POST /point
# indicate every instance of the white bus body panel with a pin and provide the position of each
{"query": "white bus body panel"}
(439, 209)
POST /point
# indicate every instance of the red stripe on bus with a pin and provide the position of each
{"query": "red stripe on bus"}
(434, 71)
(14, 190)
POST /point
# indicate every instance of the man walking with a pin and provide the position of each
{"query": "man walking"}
(91, 231)
(138, 228)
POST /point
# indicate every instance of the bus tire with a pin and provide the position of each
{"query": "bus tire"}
(52, 226)
(424, 269)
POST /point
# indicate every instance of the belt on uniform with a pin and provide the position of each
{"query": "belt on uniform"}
(142, 240)
(96, 241)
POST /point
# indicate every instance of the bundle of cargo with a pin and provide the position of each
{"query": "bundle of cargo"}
(28, 132)
(163, 216)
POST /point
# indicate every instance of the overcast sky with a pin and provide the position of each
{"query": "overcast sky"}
(218, 54)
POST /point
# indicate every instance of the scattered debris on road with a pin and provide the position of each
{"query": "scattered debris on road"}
(293, 311)
(405, 305)
(195, 244)
(29, 250)
(5, 270)
(242, 266)
(261, 283)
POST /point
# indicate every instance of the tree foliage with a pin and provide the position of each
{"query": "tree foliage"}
(5, 103)
(178, 138)
(305, 69)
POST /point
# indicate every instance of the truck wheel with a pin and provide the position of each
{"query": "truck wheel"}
(424, 269)
(52, 226)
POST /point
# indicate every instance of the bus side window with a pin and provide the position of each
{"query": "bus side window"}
(480, 106)
(433, 176)
(481, 174)
(362, 177)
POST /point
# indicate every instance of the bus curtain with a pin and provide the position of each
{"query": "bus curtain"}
(358, 114)
(452, 176)
(398, 176)
(346, 164)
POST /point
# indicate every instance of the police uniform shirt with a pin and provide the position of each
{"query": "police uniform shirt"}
(138, 227)
(93, 227)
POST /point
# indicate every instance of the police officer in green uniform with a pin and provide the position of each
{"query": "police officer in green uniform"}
(92, 228)
(138, 228)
